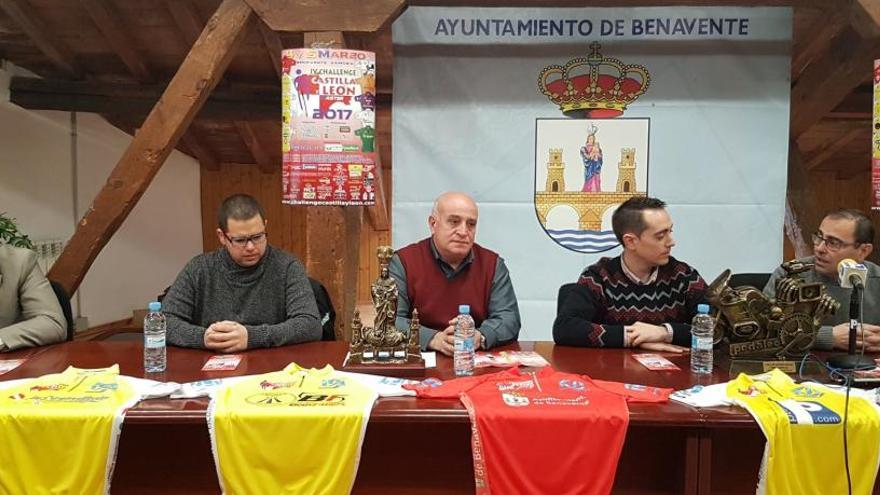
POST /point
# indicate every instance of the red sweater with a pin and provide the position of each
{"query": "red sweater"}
(437, 297)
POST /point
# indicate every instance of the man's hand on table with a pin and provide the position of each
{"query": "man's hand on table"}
(444, 340)
(226, 337)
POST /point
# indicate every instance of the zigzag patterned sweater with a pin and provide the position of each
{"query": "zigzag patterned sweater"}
(595, 312)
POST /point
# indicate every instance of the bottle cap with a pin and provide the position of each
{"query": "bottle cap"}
(464, 309)
(703, 308)
(155, 306)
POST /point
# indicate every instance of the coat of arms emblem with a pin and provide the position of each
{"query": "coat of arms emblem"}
(577, 185)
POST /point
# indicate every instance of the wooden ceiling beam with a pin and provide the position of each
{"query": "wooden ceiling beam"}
(273, 45)
(109, 23)
(309, 15)
(857, 105)
(828, 80)
(28, 20)
(199, 150)
(810, 47)
(258, 151)
(190, 144)
(331, 38)
(232, 102)
(865, 17)
(819, 157)
(817, 4)
(187, 19)
(167, 122)
(239, 103)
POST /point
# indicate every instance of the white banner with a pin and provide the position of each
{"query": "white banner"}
(690, 105)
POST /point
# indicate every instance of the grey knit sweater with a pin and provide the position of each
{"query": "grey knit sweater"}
(272, 299)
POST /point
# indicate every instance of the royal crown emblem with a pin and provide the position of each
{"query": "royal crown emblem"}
(595, 86)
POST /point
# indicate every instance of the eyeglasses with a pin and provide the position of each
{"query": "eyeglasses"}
(832, 243)
(241, 242)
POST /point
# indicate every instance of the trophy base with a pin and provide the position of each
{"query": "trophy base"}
(757, 366)
(409, 369)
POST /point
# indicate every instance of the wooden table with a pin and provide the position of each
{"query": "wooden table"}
(420, 446)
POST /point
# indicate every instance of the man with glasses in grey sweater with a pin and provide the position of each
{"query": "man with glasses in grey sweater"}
(244, 295)
(843, 234)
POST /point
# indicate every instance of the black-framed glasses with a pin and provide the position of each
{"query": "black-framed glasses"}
(831, 243)
(243, 241)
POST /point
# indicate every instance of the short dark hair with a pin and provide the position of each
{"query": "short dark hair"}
(864, 231)
(238, 207)
(628, 217)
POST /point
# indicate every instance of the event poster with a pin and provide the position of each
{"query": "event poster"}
(875, 142)
(328, 133)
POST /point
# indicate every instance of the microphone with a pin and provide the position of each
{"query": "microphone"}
(852, 274)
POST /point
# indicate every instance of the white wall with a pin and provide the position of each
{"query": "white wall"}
(37, 185)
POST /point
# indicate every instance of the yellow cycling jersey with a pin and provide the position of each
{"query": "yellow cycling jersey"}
(803, 424)
(292, 431)
(59, 432)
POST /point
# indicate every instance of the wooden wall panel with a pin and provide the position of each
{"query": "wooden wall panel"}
(235, 178)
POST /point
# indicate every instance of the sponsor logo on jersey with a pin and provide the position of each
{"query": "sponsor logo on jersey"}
(207, 383)
(558, 401)
(100, 387)
(270, 399)
(515, 400)
(575, 385)
(43, 388)
(429, 383)
(65, 399)
(267, 385)
(332, 383)
(808, 412)
(807, 391)
(750, 391)
(274, 399)
(524, 385)
(387, 380)
(684, 394)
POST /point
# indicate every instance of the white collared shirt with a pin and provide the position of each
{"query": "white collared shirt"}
(636, 280)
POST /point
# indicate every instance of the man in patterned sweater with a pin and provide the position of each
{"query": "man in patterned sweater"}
(642, 298)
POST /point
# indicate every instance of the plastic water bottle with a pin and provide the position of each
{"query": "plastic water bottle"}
(154, 339)
(465, 331)
(702, 334)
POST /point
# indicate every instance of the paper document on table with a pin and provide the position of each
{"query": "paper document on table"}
(506, 359)
(7, 365)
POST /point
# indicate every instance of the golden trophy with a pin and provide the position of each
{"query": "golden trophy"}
(383, 349)
(761, 333)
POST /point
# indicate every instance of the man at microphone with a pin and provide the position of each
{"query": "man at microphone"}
(844, 234)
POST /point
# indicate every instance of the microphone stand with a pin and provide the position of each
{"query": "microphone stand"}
(852, 360)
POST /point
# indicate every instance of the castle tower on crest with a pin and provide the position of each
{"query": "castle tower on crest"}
(626, 171)
(555, 172)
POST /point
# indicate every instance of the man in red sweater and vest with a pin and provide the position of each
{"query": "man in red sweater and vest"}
(437, 274)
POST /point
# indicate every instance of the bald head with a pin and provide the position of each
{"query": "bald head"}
(453, 199)
(453, 224)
